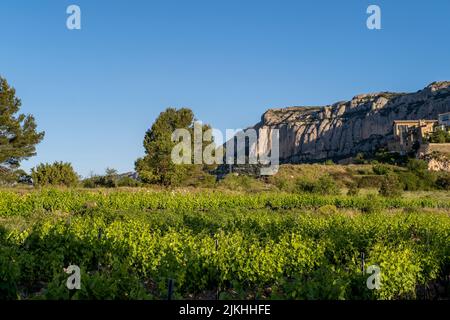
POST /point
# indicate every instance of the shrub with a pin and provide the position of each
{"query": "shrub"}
(393, 158)
(359, 158)
(199, 178)
(128, 182)
(327, 185)
(400, 270)
(362, 171)
(370, 181)
(443, 181)
(283, 184)
(391, 186)
(242, 183)
(110, 180)
(90, 182)
(381, 169)
(417, 166)
(115, 284)
(353, 190)
(372, 204)
(426, 179)
(10, 177)
(9, 274)
(440, 136)
(409, 180)
(100, 182)
(56, 174)
(327, 210)
(324, 185)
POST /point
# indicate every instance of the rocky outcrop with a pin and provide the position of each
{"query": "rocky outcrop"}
(437, 160)
(343, 129)
(439, 165)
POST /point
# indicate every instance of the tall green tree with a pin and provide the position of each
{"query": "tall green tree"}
(440, 136)
(18, 135)
(157, 166)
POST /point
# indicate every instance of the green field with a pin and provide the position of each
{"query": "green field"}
(217, 244)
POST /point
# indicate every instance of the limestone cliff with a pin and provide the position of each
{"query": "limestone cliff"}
(341, 130)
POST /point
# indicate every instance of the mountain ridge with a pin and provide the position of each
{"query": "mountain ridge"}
(345, 128)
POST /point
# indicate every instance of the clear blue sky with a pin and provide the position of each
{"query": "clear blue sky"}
(96, 91)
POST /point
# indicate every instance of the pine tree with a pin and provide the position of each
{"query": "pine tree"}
(18, 135)
(157, 166)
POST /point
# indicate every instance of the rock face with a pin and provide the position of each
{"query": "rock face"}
(438, 156)
(343, 129)
(441, 164)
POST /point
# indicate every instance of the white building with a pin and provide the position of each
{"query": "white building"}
(444, 119)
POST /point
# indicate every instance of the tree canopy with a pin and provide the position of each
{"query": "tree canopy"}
(440, 136)
(157, 166)
(18, 135)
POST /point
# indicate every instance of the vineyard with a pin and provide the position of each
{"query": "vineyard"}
(213, 245)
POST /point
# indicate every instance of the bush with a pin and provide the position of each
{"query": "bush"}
(370, 181)
(410, 181)
(128, 182)
(363, 171)
(393, 158)
(110, 180)
(443, 181)
(381, 169)
(9, 274)
(90, 183)
(9, 177)
(283, 184)
(324, 185)
(109, 285)
(440, 136)
(199, 178)
(242, 183)
(372, 204)
(353, 190)
(56, 174)
(426, 179)
(417, 166)
(391, 186)
(327, 185)
(359, 158)
(400, 270)
(327, 210)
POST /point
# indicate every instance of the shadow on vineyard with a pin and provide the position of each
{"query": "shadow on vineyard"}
(128, 245)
